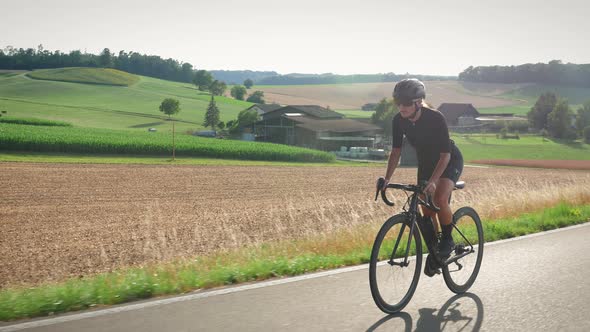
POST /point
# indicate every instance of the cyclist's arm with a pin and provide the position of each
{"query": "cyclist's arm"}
(392, 163)
(442, 164)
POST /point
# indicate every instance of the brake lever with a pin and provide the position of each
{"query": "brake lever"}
(380, 183)
(431, 203)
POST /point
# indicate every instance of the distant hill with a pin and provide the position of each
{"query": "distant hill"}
(104, 76)
(239, 76)
(273, 78)
(354, 96)
(329, 78)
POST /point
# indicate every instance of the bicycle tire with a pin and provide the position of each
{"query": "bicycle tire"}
(382, 248)
(468, 222)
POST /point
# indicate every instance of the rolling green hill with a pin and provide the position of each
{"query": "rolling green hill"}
(105, 76)
(132, 107)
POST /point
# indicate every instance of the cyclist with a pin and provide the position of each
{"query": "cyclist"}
(440, 162)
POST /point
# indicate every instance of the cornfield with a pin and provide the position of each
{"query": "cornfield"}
(104, 141)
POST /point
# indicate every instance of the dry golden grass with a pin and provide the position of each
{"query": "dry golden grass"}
(62, 221)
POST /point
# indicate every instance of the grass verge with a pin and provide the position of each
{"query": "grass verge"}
(288, 258)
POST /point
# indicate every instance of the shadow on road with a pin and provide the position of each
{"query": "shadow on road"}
(462, 312)
(402, 315)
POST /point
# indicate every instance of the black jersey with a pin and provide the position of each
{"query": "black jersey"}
(429, 136)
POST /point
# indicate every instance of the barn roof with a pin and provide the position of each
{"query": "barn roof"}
(332, 125)
(453, 111)
(311, 110)
(266, 107)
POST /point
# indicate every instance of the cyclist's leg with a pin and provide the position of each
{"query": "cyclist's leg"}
(444, 187)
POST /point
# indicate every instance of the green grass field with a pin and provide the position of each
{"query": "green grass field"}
(521, 110)
(477, 146)
(113, 107)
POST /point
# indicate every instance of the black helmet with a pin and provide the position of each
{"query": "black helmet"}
(408, 90)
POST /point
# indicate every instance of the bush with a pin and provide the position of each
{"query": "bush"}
(587, 135)
(570, 135)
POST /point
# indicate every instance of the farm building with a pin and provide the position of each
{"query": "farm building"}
(264, 108)
(316, 127)
(459, 114)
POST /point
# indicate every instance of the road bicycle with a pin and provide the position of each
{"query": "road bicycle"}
(396, 257)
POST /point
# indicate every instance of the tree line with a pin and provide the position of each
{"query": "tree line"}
(554, 72)
(132, 62)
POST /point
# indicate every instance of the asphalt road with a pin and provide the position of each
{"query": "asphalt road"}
(537, 283)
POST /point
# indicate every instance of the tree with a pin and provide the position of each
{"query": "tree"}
(559, 120)
(238, 92)
(170, 106)
(583, 117)
(587, 135)
(383, 116)
(212, 115)
(544, 134)
(246, 118)
(106, 58)
(257, 97)
(217, 88)
(186, 72)
(202, 80)
(248, 83)
(543, 106)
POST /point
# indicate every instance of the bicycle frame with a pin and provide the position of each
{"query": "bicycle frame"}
(412, 212)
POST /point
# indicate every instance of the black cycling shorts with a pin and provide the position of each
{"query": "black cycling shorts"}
(452, 172)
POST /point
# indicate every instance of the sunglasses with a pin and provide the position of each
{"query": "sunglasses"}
(406, 103)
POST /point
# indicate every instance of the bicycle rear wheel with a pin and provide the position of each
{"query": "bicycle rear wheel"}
(392, 281)
(468, 253)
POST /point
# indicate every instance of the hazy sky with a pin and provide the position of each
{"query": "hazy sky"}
(440, 37)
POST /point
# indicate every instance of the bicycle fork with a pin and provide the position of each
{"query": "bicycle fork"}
(405, 262)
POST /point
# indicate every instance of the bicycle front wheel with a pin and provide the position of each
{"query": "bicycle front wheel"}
(467, 234)
(393, 275)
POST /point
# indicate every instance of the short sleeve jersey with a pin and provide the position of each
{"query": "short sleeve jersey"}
(429, 136)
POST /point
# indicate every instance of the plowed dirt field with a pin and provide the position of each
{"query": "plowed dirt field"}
(59, 220)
